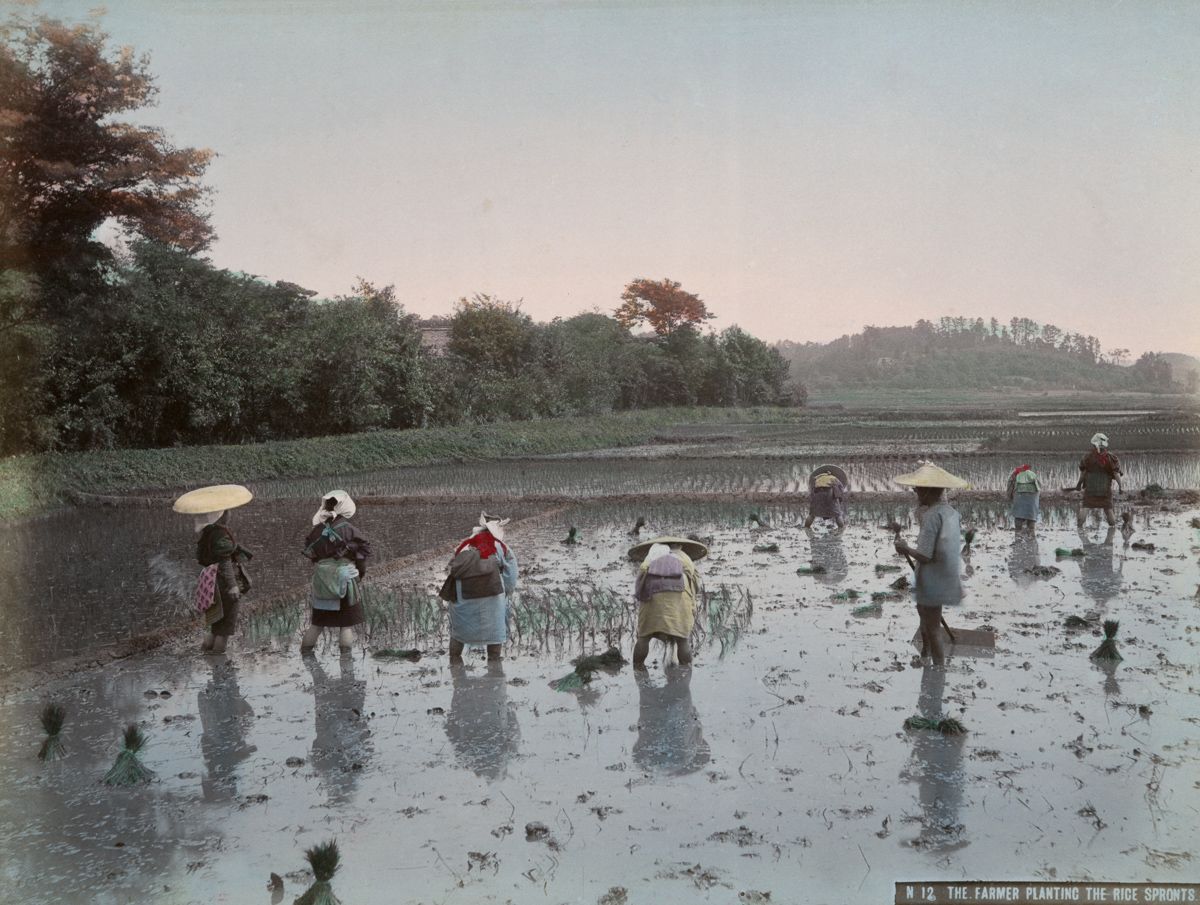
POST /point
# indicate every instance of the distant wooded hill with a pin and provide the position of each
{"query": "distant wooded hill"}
(961, 352)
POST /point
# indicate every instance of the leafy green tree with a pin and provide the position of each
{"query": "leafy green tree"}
(69, 162)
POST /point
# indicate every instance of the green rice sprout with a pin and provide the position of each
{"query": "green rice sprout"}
(945, 725)
(1108, 647)
(869, 609)
(849, 594)
(128, 769)
(53, 716)
(766, 548)
(324, 859)
(586, 666)
(1064, 551)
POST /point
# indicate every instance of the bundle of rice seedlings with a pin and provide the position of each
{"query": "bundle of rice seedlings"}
(880, 569)
(1063, 551)
(946, 726)
(572, 537)
(766, 548)
(586, 666)
(128, 769)
(53, 717)
(324, 861)
(884, 595)
(392, 653)
(1108, 647)
(850, 594)
(869, 609)
(900, 584)
(811, 570)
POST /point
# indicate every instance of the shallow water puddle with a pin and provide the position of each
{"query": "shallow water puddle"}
(782, 765)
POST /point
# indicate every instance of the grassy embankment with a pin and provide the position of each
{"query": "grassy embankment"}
(1008, 399)
(30, 484)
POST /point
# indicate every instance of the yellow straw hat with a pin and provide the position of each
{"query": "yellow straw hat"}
(929, 475)
(693, 548)
(213, 499)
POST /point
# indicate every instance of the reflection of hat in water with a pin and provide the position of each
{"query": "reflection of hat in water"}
(930, 475)
(693, 548)
(818, 473)
(213, 499)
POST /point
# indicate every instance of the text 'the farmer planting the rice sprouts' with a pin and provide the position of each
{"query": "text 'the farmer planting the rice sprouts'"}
(223, 577)
(936, 557)
(827, 489)
(1024, 493)
(482, 575)
(340, 552)
(1098, 471)
(666, 589)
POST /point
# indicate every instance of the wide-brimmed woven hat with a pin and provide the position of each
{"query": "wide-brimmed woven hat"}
(828, 469)
(930, 475)
(693, 548)
(213, 499)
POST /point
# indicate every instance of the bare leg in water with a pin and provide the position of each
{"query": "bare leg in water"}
(931, 633)
(456, 651)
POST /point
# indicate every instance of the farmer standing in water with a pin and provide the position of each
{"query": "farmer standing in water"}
(666, 590)
(938, 560)
(1098, 471)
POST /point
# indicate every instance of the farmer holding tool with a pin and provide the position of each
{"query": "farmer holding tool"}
(1098, 471)
(482, 575)
(936, 557)
(1024, 493)
(667, 588)
(827, 489)
(340, 552)
(223, 578)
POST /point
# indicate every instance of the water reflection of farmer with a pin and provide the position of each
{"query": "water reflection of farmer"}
(225, 718)
(341, 746)
(936, 767)
(482, 725)
(1023, 557)
(1099, 579)
(828, 557)
(670, 737)
(828, 487)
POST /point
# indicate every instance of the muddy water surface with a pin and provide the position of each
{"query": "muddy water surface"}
(780, 767)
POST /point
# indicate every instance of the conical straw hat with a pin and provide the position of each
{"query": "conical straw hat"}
(213, 499)
(929, 475)
(693, 548)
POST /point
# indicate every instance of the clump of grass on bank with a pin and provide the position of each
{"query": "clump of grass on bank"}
(32, 483)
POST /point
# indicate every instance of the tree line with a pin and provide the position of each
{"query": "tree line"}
(151, 345)
(956, 352)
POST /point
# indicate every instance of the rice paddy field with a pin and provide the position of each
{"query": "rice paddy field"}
(783, 766)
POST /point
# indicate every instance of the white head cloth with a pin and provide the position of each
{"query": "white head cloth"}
(345, 507)
(492, 524)
(655, 551)
(200, 522)
(1100, 441)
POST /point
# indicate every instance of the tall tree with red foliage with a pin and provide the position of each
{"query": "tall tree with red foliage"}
(664, 304)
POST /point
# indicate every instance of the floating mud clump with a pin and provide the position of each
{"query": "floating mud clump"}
(1108, 647)
(392, 653)
(53, 717)
(766, 548)
(1064, 551)
(900, 584)
(1079, 622)
(1142, 545)
(129, 769)
(946, 726)
(586, 666)
(324, 860)
(1043, 571)
(880, 569)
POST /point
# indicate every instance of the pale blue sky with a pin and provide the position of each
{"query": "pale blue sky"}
(806, 168)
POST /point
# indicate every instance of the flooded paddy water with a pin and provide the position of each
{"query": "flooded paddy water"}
(779, 763)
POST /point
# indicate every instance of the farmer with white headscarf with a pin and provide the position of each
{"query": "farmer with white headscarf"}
(340, 552)
(666, 589)
(1098, 471)
(482, 575)
(222, 577)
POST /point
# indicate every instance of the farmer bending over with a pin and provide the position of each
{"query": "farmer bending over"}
(938, 562)
(667, 586)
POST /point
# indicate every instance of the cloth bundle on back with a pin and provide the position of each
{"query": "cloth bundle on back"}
(340, 553)
(223, 578)
(480, 577)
